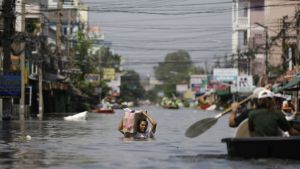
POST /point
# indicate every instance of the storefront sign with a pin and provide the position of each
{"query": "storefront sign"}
(10, 85)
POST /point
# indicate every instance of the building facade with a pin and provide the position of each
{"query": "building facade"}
(266, 30)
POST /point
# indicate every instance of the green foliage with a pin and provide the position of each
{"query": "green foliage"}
(109, 60)
(32, 25)
(131, 88)
(276, 71)
(176, 69)
(174, 63)
(82, 60)
(152, 94)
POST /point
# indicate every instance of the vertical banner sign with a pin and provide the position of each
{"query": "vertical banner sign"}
(109, 73)
(10, 85)
(198, 83)
(181, 88)
(245, 83)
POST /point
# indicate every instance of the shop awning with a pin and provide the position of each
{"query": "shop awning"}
(77, 91)
(53, 77)
(291, 85)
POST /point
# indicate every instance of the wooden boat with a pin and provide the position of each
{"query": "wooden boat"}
(243, 146)
(211, 107)
(103, 110)
(171, 107)
(204, 106)
(264, 147)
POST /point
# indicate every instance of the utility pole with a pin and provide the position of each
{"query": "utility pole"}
(58, 33)
(40, 84)
(283, 45)
(20, 22)
(267, 50)
(40, 71)
(297, 55)
(298, 39)
(8, 7)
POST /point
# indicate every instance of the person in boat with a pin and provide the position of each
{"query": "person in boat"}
(143, 132)
(203, 101)
(288, 109)
(240, 113)
(265, 120)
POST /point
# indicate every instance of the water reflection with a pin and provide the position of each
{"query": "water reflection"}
(15, 150)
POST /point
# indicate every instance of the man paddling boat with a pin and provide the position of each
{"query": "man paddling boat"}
(238, 115)
(265, 120)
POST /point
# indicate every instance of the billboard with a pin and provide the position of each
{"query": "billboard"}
(225, 74)
(198, 83)
(109, 73)
(181, 88)
(10, 85)
(245, 84)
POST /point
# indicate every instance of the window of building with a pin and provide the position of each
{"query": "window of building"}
(243, 11)
(258, 36)
(65, 30)
(242, 38)
(257, 5)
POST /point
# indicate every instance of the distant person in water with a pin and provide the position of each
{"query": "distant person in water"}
(143, 132)
(134, 124)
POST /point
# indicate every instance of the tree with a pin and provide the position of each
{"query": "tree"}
(131, 88)
(176, 68)
(109, 60)
(82, 57)
(175, 63)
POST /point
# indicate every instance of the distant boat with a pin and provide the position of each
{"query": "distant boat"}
(104, 110)
(170, 106)
(211, 107)
(77, 117)
(204, 106)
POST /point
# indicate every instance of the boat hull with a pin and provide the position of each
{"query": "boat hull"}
(107, 111)
(263, 147)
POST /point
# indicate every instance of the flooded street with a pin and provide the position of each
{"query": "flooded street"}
(96, 143)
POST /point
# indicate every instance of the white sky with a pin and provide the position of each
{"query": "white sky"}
(144, 31)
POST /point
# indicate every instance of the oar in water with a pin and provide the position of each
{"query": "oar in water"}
(201, 126)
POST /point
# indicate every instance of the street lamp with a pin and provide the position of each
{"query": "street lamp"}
(266, 46)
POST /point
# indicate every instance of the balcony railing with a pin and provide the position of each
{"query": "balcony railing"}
(242, 23)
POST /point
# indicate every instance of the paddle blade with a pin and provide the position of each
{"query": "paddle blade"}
(200, 127)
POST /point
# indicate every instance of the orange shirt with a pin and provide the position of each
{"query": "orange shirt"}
(288, 106)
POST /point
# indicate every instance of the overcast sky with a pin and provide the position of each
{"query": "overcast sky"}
(144, 31)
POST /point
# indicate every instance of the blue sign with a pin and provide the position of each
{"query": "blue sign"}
(10, 85)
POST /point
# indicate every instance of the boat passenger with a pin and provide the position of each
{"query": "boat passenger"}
(265, 120)
(239, 114)
(288, 109)
(142, 131)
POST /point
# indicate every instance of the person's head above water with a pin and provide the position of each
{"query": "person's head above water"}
(142, 126)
